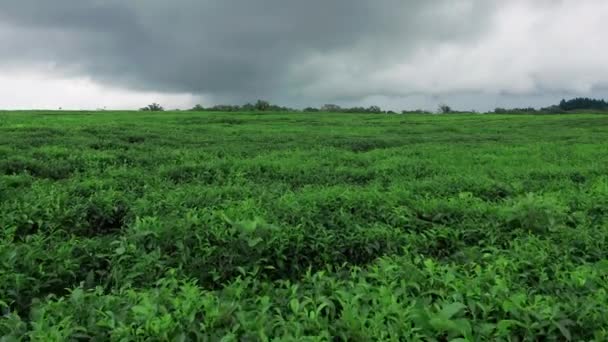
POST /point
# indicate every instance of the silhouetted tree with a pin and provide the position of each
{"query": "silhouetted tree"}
(374, 109)
(155, 107)
(444, 109)
(262, 105)
(331, 108)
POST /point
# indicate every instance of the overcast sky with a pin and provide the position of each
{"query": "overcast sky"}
(399, 54)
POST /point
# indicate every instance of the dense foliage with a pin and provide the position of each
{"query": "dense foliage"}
(527, 110)
(583, 103)
(565, 106)
(259, 105)
(265, 106)
(202, 226)
(154, 107)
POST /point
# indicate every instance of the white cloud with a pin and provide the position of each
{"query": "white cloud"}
(554, 46)
(41, 90)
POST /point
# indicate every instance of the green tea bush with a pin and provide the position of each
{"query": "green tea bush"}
(105, 213)
(538, 214)
(55, 170)
(202, 226)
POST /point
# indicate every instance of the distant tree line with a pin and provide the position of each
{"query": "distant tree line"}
(514, 110)
(565, 106)
(259, 106)
(332, 108)
(583, 103)
(265, 106)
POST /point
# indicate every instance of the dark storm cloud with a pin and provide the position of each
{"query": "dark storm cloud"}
(237, 48)
(309, 52)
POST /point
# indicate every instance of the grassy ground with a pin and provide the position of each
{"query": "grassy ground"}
(201, 226)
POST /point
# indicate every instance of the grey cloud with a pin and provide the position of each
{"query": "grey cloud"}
(233, 48)
(297, 52)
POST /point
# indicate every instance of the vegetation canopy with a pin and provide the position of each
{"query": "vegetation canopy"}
(570, 106)
(242, 226)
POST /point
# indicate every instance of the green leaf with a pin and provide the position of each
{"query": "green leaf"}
(294, 304)
(254, 242)
(562, 326)
(504, 327)
(450, 310)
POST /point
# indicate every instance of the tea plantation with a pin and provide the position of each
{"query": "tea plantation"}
(184, 226)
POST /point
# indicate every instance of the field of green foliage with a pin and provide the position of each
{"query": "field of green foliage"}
(183, 226)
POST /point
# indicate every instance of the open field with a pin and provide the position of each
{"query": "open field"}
(185, 226)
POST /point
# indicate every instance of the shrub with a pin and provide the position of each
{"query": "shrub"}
(154, 107)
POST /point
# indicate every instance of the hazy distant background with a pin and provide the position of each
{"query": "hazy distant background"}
(398, 54)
